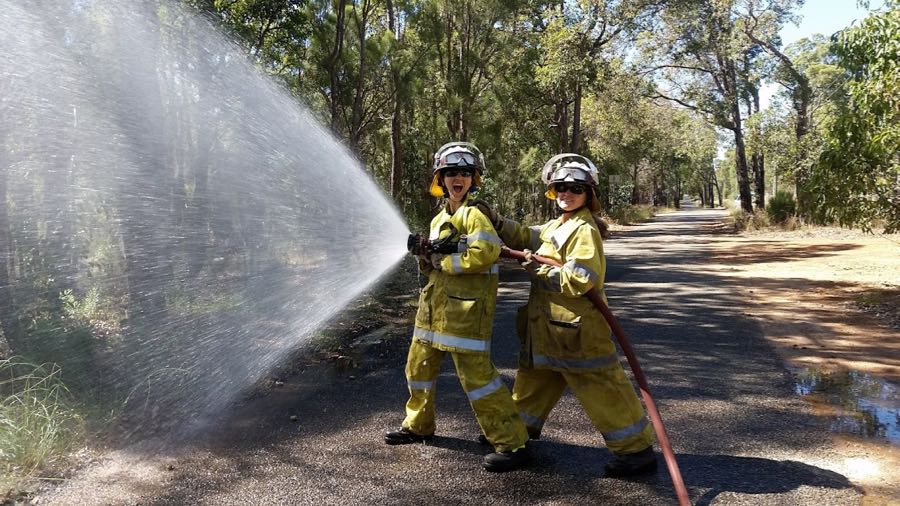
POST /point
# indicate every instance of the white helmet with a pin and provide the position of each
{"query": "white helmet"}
(456, 154)
(572, 168)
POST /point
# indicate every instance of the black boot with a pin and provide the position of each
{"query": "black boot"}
(500, 462)
(404, 436)
(632, 464)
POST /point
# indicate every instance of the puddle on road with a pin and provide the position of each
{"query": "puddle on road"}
(860, 404)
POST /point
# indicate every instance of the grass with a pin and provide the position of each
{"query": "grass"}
(37, 424)
(629, 215)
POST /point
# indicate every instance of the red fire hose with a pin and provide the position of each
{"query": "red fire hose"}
(661, 436)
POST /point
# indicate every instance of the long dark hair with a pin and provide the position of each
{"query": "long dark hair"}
(601, 225)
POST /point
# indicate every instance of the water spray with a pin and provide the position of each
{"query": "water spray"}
(183, 198)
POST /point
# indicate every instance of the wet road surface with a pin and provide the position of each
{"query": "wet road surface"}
(741, 433)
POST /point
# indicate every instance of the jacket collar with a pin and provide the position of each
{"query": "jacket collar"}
(561, 234)
(444, 216)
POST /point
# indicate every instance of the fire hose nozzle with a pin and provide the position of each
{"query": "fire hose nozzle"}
(417, 244)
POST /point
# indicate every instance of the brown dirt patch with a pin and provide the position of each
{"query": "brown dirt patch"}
(832, 302)
(829, 300)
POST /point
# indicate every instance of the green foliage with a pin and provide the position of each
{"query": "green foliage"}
(781, 207)
(857, 179)
(37, 422)
(198, 302)
(620, 197)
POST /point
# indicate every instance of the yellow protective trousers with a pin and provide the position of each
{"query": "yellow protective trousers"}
(488, 395)
(605, 394)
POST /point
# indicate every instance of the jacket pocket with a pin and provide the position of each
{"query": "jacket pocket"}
(464, 315)
(423, 314)
(564, 337)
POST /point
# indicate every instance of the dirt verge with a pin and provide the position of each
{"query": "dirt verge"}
(829, 299)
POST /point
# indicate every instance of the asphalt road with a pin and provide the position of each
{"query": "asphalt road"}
(740, 433)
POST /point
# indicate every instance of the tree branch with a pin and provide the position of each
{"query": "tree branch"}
(683, 67)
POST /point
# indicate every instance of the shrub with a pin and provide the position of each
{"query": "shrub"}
(628, 214)
(742, 221)
(781, 207)
(37, 425)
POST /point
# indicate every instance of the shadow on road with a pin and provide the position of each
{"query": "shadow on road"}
(750, 475)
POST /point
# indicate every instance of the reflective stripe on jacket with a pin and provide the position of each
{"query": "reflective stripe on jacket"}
(456, 307)
(561, 329)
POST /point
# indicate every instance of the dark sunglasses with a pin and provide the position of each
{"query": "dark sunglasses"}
(457, 172)
(573, 188)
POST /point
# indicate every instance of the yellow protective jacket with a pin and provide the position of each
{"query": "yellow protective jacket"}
(560, 328)
(456, 307)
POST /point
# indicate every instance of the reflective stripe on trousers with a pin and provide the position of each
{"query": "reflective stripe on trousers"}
(626, 432)
(487, 393)
(493, 386)
(607, 396)
(463, 343)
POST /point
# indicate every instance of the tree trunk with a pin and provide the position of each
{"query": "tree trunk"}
(759, 168)
(759, 180)
(143, 200)
(9, 322)
(635, 194)
(740, 161)
(715, 182)
(198, 211)
(678, 194)
(334, 58)
(454, 113)
(575, 146)
(561, 118)
(396, 111)
(736, 126)
(356, 119)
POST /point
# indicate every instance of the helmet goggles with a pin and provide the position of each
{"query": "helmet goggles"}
(571, 175)
(458, 159)
(458, 154)
(570, 167)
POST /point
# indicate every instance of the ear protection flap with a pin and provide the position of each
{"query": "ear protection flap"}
(437, 190)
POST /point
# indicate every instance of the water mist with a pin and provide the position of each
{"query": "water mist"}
(173, 199)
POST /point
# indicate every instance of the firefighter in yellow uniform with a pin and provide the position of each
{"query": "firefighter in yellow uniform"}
(455, 316)
(565, 339)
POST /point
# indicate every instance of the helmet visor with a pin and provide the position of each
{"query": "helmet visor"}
(571, 174)
(457, 159)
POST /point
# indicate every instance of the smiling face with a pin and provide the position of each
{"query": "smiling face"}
(458, 182)
(567, 200)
